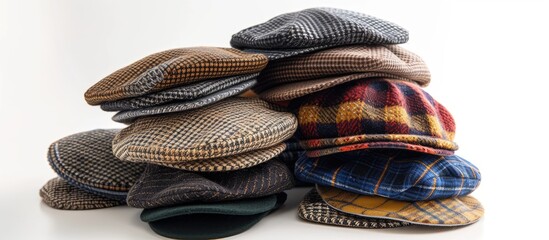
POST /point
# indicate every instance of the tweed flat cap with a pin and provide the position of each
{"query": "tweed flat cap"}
(395, 174)
(211, 220)
(449, 212)
(163, 186)
(172, 68)
(314, 209)
(311, 29)
(229, 163)
(59, 194)
(373, 113)
(187, 92)
(213, 131)
(290, 156)
(180, 106)
(85, 160)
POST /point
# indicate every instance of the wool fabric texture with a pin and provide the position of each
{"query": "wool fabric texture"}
(172, 68)
(213, 131)
(86, 161)
(312, 29)
(314, 209)
(394, 174)
(162, 186)
(59, 194)
(448, 212)
(373, 113)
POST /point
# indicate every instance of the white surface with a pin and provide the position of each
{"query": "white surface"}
(487, 62)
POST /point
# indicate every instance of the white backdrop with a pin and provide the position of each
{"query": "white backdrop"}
(486, 58)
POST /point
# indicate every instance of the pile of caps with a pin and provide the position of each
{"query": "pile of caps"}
(335, 103)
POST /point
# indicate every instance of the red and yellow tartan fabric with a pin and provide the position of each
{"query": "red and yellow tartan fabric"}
(373, 113)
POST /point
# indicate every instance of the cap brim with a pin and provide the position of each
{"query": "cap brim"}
(59, 194)
(277, 54)
(378, 145)
(457, 211)
(180, 106)
(214, 220)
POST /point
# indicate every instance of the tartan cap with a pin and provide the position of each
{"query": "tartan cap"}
(394, 174)
(180, 106)
(211, 220)
(373, 113)
(306, 74)
(289, 157)
(187, 92)
(312, 29)
(229, 163)
(173, 68)
(163, 186)
(314, 209)
(85, 160)
(213, 131)
(456, 211)
(59, 194)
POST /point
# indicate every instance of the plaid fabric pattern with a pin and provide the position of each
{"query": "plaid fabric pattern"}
(161, 186)
(374, 110)
(314, 209)
(378, 61)
(456, 211)
(173, 68)
(58, 194)
(229, 163)
(400, 175)
(316, 28)
(213, 131)
(186, 92)
(85, 160)
(180, 106)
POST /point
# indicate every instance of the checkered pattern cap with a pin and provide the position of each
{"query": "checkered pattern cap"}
(59, 194)
(213, 131)
(316, 28)
(172, 68)
(187, 92)
(302, 75)
(314, 209)
(85, 160)
(373, 113)
(456, 211)
(395, 174)
(163, 186)
(229, 163)
(180, 106)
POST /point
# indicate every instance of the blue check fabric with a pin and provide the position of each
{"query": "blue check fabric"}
(400, 175)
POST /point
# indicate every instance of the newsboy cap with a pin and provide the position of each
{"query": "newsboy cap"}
(395, 174)
(86, 161)
(306, 74)
(455, 211)
(173, 68)
(373, 113)
(232, 126)
(163, 186)
(211, 220)
(59, 194)
(312, 29)
(314, 209)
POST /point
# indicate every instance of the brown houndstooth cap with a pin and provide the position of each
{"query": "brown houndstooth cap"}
(59, 194)
(173, 68)
(302, 75)
(213, 131)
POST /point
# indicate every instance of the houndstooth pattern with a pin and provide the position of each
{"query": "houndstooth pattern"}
(87, 159)
(162, 186)
(319, 26)
(58, 194)
(213, 131)
(173, 68)
(186, 92)
(131, 115)
(313, 209)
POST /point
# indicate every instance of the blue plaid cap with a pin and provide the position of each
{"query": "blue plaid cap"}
(400, 175)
